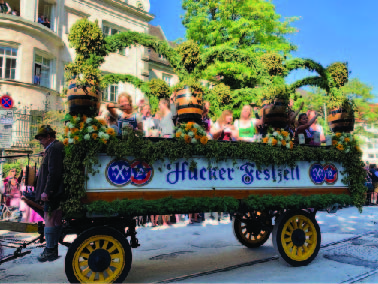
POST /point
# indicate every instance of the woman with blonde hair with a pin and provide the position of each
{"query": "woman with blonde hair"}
(223, 129)
(246, 126)
(127, 117)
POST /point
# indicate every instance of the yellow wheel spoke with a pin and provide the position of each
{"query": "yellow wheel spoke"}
(92, 277)
(109, 272)
(306, 227)
(300, 223)
(118, 255)
(112, 248)
(290, 245)
(300, 251)
(294, 252)
(116, 265)
(97, 245)
(101, 276)
(104, 246)
(86, 270)
(84, 263)
(287, 240)
(88, 247)
(290, 226)
(84, 255)
(309, 241)
(308, 234)
(295, 225)
(305, 249)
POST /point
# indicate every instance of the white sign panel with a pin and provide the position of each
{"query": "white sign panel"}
(136, 175)
(6, 121)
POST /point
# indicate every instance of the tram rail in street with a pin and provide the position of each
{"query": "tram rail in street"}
(276, 257)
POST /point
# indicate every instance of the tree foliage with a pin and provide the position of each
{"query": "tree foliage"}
(247, 24)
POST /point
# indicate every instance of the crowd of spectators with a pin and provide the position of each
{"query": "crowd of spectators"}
(12, 207)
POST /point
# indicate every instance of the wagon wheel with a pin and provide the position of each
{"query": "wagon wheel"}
(252, 229)
(296, 236)
(99, 255)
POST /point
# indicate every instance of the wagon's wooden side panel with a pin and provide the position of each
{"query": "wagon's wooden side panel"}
(133, 179)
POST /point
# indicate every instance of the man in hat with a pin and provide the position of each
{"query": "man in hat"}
(50, 189)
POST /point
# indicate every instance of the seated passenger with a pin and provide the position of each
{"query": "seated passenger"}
(206, 120)
(245, 127)
(316, 127)
(291, 124)
(127, 117)
(166, 121)
(303, 127)
(223, 130)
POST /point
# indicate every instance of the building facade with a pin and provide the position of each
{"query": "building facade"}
(34, 50)
(369, 145)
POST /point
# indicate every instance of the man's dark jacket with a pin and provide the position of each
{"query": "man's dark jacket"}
(50, 174)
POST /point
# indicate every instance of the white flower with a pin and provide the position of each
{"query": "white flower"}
(270, 140)
(279, 143)
(183, 135)
(341, 138)
(89, 120)
(287, 138)
(191, 134)
(101, 134)
(90, 129)
(280, 137)
(70, 125)
(288, 145)
(106, 136)
(275, 133)
(87, 137)
(196, 125)
(194, 140)
(69, 133)
(71, 140)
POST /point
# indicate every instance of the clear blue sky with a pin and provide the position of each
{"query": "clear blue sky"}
(329, 31)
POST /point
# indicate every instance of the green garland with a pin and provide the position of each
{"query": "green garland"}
(139, 207)
(137, 146)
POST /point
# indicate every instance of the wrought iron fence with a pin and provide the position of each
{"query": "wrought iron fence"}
(25, 127)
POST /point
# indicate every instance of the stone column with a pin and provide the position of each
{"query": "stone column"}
(29, 10)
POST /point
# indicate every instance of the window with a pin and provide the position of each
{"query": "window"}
(161, 56)
(42, 71)
(376, 155)
(108, 31)
(167, 79)
(371, 156)
(110, 93)
(370, 146)
(8, 62)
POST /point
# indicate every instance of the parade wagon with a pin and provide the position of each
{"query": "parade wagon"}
(267, 192)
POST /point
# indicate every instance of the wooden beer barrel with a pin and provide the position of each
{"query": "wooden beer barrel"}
(189, 105)
(274, 114)
(341, 120)
(82, 100)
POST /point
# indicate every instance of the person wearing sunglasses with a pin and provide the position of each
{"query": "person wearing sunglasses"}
(50, 190)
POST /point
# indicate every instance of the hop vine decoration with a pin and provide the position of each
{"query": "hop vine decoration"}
(191, 132)
(339, 73)
(273, 63)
